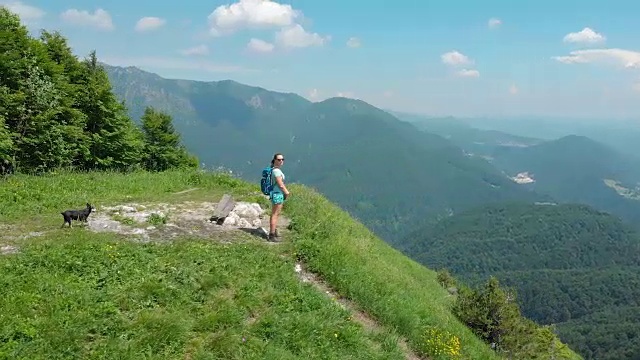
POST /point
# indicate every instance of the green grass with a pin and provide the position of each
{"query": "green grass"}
(397, 291)
(72, 293)
(87, 296)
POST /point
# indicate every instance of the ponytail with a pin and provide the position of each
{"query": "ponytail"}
(273, 161)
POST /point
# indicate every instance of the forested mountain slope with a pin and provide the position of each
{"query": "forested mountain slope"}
(571, 265)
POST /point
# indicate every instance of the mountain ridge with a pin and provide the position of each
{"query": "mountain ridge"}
(577, 169)
(572, 168)
(617, 133)
(333, 145)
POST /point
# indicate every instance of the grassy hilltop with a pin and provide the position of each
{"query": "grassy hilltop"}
(73, 293)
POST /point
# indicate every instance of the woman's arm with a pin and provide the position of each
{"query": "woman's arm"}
(281, 184)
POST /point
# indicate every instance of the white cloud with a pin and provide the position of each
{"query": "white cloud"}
(264, 14)
(149, 23)
(455, 58)
(586, 35)
(296, 36)
(469, 73)
(354, 42)
(246, 14)
(99, 19)
(513, 90)
(346, 94)
(259, 46)
(26, 12)
(196, 51)
(620, 57)
(314, 95)
(174, 64)
(494, 23)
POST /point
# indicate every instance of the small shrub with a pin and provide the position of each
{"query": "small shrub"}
(157, 219)
(195, 179)
(123, 219)
(440, 344)
(446, 279)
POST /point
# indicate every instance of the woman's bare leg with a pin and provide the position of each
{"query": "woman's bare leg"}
(273, 220)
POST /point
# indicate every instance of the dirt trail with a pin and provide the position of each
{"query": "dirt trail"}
(359, 316)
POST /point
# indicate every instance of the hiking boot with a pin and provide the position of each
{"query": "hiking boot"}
(274, 238)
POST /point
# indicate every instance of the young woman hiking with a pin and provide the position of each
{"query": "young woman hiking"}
(278, 194)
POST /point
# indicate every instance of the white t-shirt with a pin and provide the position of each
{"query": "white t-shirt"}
(274, 174)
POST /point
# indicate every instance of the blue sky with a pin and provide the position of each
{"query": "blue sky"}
(535, 58)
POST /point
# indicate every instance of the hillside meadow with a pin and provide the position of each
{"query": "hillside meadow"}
(72, 293)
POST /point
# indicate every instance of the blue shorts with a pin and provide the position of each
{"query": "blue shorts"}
(277, 198)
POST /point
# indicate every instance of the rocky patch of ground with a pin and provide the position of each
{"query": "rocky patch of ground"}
(163, 221)
(8, 249)
(523, 178)
(8, 239)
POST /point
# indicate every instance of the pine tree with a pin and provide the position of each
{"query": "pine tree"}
(14, 50)
(60, 111)
(6, 144)
(163, 149)
(35, 107)
(62, 56)
(490, 312)
(114, 140)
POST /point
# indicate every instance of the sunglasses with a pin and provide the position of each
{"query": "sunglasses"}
(280, 159)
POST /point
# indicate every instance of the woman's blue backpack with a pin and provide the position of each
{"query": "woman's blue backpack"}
(265, 183)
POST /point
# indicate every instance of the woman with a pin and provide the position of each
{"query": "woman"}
(278, 194)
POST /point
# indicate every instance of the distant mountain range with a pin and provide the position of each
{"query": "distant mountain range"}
(571, 169)
(382, 170)
(375, 165)
(478, 142)
(576, 169)
(621, 135)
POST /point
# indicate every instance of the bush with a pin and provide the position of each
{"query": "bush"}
(157, 219)
(492, 313)
(446, 279)
(488, 311)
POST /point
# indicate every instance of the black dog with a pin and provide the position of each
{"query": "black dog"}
(80, 215)
(6, 167)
